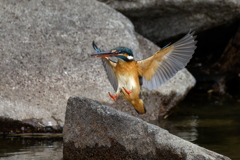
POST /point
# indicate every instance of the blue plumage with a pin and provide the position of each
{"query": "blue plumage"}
(95, 47)
(166, 46)
(124, 50)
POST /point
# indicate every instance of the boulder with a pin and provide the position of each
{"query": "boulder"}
(45, 48)
(96, 131)
(160, 20)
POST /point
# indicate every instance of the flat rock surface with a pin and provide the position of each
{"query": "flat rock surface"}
(96, 131)
(45, 48)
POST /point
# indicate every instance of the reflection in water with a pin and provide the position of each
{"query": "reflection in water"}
(184, 127)
(31, 147)
(209, 122)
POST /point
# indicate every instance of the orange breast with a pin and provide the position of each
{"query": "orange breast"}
(126, 68)
(126, 73)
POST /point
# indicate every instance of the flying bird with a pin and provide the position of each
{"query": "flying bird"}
(127, 75)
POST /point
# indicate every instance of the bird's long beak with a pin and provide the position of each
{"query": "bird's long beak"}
(104, 54)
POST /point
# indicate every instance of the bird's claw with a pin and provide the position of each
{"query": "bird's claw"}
(113, 96)
(128, 92)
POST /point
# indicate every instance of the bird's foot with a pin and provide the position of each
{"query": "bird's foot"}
(113, 96)
(128, 92)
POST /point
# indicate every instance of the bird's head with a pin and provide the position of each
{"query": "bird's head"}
(123, 53)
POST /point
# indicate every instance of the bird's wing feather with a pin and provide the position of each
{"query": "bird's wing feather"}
(165, 63)
(109, 65)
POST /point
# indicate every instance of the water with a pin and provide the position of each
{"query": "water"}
(210, 122)
(31, 147)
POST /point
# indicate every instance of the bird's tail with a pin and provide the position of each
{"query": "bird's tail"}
(138, 106)
(95, 47)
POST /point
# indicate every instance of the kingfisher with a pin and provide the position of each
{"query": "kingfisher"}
(127, 76)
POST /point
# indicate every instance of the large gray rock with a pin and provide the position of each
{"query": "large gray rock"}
(158, 20)
(96, 131)
(45, 48)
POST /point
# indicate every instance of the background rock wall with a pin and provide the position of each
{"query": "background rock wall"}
(160, 20)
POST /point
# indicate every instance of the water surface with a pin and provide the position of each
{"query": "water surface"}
(31, 147)
(208, 121)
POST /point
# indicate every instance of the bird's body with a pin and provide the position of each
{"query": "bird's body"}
(127, 76)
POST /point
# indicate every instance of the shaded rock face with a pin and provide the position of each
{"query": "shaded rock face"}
(226, 68)
(45, 48)
(96, 131)
(9, 125)
(215, 63)
(159, 20)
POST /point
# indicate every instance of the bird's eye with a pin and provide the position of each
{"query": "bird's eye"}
(119, 51)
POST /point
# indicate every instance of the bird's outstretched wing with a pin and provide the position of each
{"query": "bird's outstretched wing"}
(108, 66)
(165, 63)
